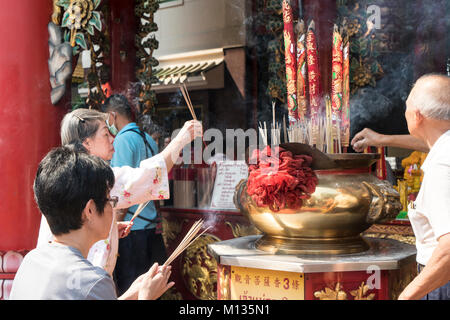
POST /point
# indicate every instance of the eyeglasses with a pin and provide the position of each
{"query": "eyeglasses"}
(113, 200)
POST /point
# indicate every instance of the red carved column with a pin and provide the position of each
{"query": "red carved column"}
(30, 127)
(123, 50)
(30, 123)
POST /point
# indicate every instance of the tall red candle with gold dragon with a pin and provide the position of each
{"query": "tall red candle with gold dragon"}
(290, 60)
(336, 82)
(315, 90)
(345, 114)
(302, 100)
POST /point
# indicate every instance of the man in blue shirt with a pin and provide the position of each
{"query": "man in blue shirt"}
(144, 245)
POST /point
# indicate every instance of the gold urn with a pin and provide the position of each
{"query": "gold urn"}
(348, 199)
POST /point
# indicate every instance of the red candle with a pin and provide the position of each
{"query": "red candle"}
(301, 72)
(290, 60)
(345, 114)
(336, 74)
(315, 90)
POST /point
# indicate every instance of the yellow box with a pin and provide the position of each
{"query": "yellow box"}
(259, 284)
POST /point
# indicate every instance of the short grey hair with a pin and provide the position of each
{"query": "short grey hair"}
(80, 124)
(432, 98)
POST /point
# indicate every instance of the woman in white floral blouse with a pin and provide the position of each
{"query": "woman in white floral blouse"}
(88, 129)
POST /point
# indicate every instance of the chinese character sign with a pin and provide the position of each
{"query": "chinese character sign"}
(259, 284)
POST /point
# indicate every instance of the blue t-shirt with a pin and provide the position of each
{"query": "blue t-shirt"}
(130, 150)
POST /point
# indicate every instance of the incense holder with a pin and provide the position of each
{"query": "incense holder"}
(347, 201)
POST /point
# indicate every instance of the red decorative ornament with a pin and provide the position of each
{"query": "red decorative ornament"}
(280, 179)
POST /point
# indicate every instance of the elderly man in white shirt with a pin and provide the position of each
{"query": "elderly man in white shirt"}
(428, 117)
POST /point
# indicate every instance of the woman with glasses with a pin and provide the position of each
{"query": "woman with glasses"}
(89, 130)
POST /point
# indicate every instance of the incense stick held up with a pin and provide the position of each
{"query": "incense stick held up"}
(139, 209)
(185, 93)
(188, 239)
(189, 104)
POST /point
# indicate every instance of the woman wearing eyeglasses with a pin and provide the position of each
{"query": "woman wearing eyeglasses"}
(88, 129)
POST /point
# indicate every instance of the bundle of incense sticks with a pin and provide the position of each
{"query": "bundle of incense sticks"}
(263, 132)
(328, 126)
(275, 128)
(139, 209)
(300, 131)
(188, 239)
(185, 93)
(329, 138)
(189, 104)
(275, 131)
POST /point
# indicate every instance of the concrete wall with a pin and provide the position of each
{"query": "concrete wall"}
(200, 24)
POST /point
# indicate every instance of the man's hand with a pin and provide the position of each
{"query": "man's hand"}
(154, 283)
(150, 285)
(369, 138)
(366, 138)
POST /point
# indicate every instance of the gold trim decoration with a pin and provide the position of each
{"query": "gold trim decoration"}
(361, 293)
(199, 268)
(171, 229)
(56, 16)
(405, 239)
(79, 19)
(402, 233)
(172, 294)
(330, 294)
(240, 230)
(224, 280)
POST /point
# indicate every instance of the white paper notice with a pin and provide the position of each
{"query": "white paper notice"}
(229, 173)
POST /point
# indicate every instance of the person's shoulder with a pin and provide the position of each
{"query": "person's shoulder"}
(149, 137)
(442, 156)
(46, 250)
(100, 285)
(127, 138)
(152, 142)
(126, 135)
(59, 272)
(95, 283)
(131, 131)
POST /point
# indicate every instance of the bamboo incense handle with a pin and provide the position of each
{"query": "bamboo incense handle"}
(185, 93)
(138, 210)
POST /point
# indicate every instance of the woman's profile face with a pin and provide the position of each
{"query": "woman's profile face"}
(101, 143)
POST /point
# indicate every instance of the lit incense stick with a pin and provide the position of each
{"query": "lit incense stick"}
(187, 241)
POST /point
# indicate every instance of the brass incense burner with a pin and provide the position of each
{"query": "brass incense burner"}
(347, 201)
